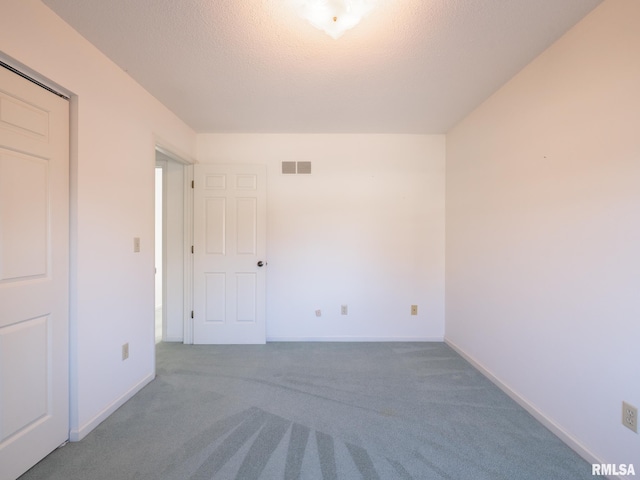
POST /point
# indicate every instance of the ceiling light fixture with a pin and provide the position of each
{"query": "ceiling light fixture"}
(334, 17)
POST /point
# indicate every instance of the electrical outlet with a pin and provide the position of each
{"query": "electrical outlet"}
(125, 351)
(414, 309)
(344, 310)
(630, 416)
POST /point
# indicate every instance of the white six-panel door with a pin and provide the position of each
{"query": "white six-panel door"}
(229, 215)
(34, 249)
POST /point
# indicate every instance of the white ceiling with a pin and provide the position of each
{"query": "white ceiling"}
(411, 66)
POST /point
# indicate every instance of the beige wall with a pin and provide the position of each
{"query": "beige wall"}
(543, 229)
(115, 126)
(365, 229)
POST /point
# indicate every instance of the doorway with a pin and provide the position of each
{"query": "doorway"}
(159, 253)
(170, 249)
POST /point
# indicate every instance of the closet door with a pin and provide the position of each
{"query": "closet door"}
(34, 273)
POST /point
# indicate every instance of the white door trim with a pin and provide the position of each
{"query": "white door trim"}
(164, 148)
(188, 255)
(30, 74)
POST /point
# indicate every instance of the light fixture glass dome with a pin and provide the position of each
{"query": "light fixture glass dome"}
(334, 17)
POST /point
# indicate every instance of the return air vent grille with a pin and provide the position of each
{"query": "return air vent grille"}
(288, 168)
(291, 168)
(304, 167)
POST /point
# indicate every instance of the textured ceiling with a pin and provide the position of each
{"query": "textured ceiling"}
(411, 66)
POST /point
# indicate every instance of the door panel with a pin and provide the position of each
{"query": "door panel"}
(216, 297)
(246, 294)
(229, 240)
(24, 229)
(34, 249)
(23, 366)
(247, 225)
(215, 212)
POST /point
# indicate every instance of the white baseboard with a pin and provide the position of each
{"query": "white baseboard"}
(355, 339)
(75, 435)
(556, 429)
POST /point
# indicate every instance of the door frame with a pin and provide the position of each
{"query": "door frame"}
(187, 163)
(162, 165)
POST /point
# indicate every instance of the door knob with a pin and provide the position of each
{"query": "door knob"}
(261, 263)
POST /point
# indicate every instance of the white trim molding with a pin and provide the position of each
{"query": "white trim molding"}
(355, 339)
(556, 429)
(75, 435)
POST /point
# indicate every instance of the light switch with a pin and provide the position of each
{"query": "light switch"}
(136, 244)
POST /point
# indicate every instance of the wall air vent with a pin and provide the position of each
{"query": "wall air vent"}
(288, 168)
(304, 167)
(291, 168)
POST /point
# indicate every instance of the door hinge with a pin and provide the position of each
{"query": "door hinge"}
(192, 184)
(192, 249)
(191, 313)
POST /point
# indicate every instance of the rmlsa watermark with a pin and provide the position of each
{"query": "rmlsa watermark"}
(621, 469)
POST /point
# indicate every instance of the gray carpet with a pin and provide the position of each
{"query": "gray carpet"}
(316, 411)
